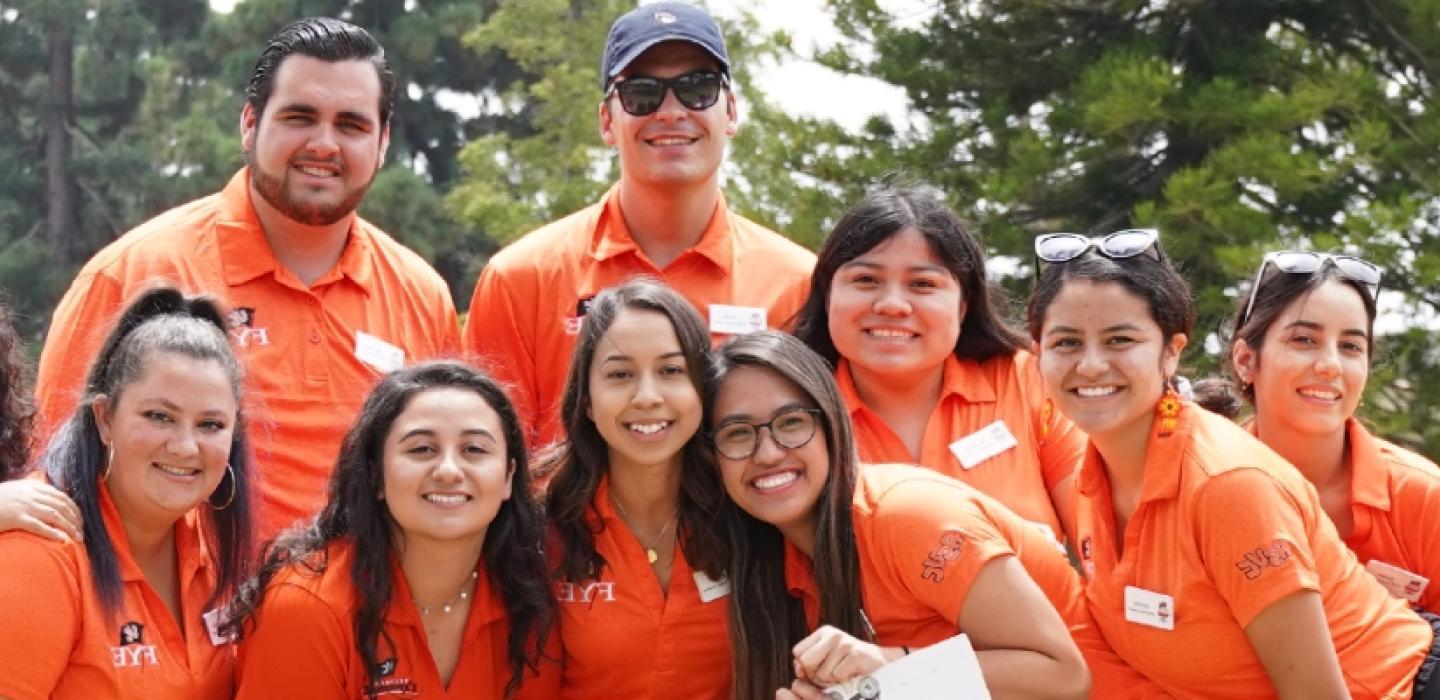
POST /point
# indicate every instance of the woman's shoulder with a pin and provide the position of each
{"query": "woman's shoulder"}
(319, 579)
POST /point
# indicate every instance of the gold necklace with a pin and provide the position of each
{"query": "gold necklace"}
(650, 552)
(446, 606)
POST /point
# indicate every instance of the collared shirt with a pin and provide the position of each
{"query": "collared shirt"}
(533, 295)
(311, 354)
(922, 539)
(59, 643)
(624, 637)
(975, 395)
(1225, 528)
(303, 642)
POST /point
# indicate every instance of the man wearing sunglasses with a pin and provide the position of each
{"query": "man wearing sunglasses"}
(668, 110)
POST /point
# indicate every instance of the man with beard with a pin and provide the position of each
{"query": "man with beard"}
(322, 302)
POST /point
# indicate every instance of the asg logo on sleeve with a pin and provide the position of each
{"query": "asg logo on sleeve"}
(940, 557)
(132, 650)
(243, 330)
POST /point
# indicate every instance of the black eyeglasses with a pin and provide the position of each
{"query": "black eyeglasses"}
(791, 430)
(1064, 247)
(1304, 262)
(642, 94)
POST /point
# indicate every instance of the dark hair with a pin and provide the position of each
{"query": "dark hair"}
(583, 459)
(514, 559)
(157, 322)
(880, 216)
(17, 413)
(1277, 291)
(765, 621)
(1164, 290)
(326, 39)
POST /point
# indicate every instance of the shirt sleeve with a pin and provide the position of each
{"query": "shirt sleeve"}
(42, 613)
(298, 648)
(496, 340)
(81, 322)
(1255, 541)
(934, 540)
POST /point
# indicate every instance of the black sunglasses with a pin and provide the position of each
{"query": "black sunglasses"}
(1304, 262)
(1064, 247)
(642, 94)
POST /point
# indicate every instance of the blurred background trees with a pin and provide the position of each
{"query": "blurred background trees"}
(1234, 127)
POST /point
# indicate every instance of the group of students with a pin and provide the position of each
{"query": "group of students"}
(772, 516)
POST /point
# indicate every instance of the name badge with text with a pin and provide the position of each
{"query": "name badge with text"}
(212, 627)
(1149, 608)
(983, 444)
(378, 353)
(1401, 583)
(736, 320)
(710, 589)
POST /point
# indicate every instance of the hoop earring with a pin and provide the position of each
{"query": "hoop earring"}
(1169, 411)
(234, 488)
(109, 462)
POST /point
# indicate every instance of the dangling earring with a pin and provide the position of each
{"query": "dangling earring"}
(234, 487)
(1168, 410)
(1047, 416)
(109, 462)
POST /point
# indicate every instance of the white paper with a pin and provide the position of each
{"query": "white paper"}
(949, 669)
(378, 353)
(983, 444)
(1402, 584)
(736, 320)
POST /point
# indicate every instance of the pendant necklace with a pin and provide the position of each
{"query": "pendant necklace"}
(446, 606)
(650, 552)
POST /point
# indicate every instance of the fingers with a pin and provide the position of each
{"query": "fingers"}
(39, 508)
(33, 525)
(800, 690)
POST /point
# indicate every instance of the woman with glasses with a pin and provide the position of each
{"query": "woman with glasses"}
(1210, 566)
(901, 307)
(639, 561)
(1300, 353)
(155, 460)
(423, 576)
(837, 569)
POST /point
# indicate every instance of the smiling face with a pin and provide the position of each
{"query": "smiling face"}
(169, 433)
(445, 471)
(1311, 369)
(643, 400)
(1105, 360)
(895, 311)
(674, 145)
(315, 150)
(778, 485)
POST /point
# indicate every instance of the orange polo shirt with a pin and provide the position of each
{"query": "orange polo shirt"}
(311, 353)
(1395, 505)
(302, 644)
(922, 540)
(532, 295)
(1225, 527)
(625, 638)
(973, 396)
(59, 643)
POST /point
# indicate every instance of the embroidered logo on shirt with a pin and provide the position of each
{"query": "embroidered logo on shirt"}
(386, 667)
(243, 330)
(587, 592)
(1254, 562)
(941, 556)
(133, 651)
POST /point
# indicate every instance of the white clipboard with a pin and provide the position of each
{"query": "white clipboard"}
(949, 669)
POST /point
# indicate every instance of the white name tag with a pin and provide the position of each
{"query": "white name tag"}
(949, 669)
(1401, 583)
(1149, 608)
(378, 353)
(736, 320)
(710, 589)
(212, 626)
(982, 444)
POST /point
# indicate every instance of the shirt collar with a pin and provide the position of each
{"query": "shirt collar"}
(1369, 479)
(246, 254)
(485, 604)
(191, 548)
(800, 580)
(961, 378)
(1163, 457)
(612, 236)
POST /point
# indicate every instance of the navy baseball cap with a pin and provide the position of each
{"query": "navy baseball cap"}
(645, 26)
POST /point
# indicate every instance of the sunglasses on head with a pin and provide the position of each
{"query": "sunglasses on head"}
(642, 94)
(1304, 262)
(1064, 247)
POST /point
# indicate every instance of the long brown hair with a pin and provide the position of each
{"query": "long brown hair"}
(765, 621)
